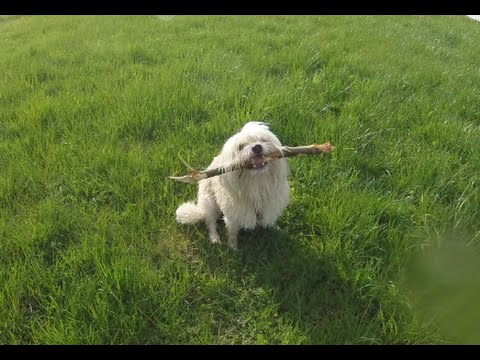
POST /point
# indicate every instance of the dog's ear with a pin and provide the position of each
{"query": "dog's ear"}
(252, 124)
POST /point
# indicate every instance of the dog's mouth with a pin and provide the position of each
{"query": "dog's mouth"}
(257, 162)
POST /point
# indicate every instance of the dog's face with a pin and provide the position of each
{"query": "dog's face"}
(254, 141)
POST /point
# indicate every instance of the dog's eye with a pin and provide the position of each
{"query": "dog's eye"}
(240, 147)
(263, 140)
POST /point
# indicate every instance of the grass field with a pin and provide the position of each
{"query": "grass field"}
(379, 244)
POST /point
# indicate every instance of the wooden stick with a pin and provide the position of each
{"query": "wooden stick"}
(282, 152)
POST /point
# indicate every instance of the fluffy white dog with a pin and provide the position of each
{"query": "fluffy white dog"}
(246, 198)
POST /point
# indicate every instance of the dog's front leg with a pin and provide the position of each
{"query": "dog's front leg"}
(270, 213)
(232, 230)
(233, 237)
(237, 218)
(212, 230)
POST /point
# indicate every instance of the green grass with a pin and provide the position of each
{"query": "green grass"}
(94, 111)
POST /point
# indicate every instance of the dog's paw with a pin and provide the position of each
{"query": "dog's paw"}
(215, 239)
(233, 245)
(270, 226)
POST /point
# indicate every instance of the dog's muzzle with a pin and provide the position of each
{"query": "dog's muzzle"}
(257, 162)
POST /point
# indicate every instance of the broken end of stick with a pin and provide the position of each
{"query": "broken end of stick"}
(325, 147)
(194, 176)
(184, 179)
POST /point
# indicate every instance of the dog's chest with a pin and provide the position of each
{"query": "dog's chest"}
(256, 194)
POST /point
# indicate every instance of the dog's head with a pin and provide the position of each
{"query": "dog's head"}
(254, 141)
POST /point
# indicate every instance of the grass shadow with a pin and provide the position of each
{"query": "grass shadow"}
(309, 288)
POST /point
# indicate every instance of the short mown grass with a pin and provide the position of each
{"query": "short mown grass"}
(94, 111)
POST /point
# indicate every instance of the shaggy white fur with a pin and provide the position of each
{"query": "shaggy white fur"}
(245, 198)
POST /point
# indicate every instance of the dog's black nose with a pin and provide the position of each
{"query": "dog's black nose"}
(257, 149)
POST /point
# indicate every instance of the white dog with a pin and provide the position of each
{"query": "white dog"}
(248, 197)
